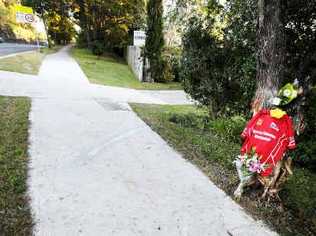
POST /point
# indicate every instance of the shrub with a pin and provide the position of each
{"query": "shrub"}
(172, 56)
(299, 193)
(190, 120)
(199, 54)
(215, 73)
(168, 74)
(305, 154)
(97, 48)
(218, 65)
(229, 128)
(209, 137)
(81, 41)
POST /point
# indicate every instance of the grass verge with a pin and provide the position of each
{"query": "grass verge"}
(111, 71)
(51, 50)
(27, 63)
(15, 215)
(213, 145)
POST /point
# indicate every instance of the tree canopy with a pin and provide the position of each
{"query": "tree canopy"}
(108, 23)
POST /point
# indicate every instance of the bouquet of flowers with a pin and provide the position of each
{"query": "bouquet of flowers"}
(249, 164)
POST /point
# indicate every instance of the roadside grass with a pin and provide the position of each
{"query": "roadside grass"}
(51, 50)
(112, 71)
(15, 214)
(213, 145)
(27, 63)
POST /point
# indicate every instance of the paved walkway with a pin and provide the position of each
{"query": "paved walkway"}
(97, 169)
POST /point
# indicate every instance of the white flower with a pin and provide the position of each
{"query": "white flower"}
(287, 93)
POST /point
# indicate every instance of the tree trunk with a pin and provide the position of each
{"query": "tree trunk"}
(270, 57)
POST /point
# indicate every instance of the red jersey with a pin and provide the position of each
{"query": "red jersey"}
(270, 137)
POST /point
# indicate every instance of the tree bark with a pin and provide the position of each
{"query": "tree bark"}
(270, 55)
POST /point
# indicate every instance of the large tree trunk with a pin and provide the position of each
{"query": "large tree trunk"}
(271, 41)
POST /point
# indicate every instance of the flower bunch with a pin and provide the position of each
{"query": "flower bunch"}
(250, 163)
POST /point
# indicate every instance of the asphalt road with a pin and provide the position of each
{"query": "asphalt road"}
(12, 48)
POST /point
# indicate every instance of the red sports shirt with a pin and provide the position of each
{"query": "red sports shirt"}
(270, 137)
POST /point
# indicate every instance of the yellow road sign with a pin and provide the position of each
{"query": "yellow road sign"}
(23, 9)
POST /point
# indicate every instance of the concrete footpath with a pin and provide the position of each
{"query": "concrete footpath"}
(97, 169)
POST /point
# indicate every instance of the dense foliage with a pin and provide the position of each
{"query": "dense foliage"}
(305, 154)
(109, 25)
(202, 67)
(172, 57)
(60, 28)
(300, 19)
(218, 70)
(57, 16)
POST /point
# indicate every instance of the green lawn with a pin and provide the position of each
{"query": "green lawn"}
(27, 63)
(51, 50)
(213, 145)
(15, 214)
(111, 71)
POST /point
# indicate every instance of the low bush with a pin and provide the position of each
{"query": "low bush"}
(172, 56)
(168, 75)
(305, 154)
(299, 194)
(81, 41)
(191, 120)
(229, 128)
(97, 48)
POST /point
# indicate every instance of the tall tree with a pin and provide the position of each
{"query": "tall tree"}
(270, 56)
(83, 19)
(154, 41)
